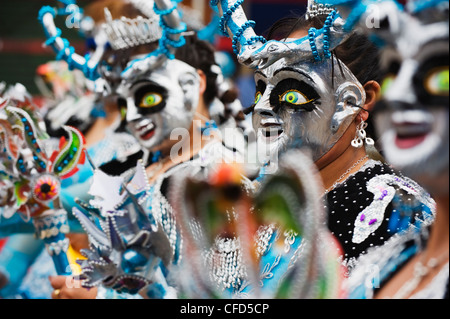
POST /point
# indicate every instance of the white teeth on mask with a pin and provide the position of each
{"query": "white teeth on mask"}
(142, 123)
(145, 125)
(273, 133)
(150, 127)
(271, 129)
(412, 116)
(413, 122)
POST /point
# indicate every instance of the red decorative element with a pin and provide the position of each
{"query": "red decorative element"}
(2, 243)
(46, 188)
(71, 173)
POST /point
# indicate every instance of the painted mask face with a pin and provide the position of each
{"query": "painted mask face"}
(413, 114)
(305, 104)
(161, 101)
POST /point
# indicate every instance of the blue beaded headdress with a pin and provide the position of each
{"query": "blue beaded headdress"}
(355, 12)
(257, 53)
(119, 34)
(414, 6)
(172, 29)
(62, 48)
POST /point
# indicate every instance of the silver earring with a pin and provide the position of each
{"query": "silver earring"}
(361, 136)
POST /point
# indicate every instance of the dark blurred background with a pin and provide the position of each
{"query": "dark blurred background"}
(22, 36)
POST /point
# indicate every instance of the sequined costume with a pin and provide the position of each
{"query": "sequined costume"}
(414, 44)
(374, 204)
(115, 146)
(381, 263)
(283, 255)
(304, 100)
(244, 242)
(157, 205)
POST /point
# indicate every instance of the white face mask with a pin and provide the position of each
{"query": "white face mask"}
(301, 105)
(413, 115)
(160, 101)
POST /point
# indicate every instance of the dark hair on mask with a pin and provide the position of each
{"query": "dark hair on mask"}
(358, 53)
(200, 54)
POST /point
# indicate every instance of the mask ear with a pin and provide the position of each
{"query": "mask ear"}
(350, 98)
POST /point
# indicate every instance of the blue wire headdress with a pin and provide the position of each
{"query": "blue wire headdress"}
(257, 53)
(355, 12)
(172, 29)
(63, 49)
(171, 39)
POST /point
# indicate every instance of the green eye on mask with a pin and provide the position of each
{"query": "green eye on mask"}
(386, 84)
(151, 100)
(258, 97)
(437, 81)
(294, 97)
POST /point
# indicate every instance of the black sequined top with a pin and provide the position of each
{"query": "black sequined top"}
(350, 198)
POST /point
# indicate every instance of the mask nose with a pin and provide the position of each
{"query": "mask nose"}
(261, 114)
(265, 117)
(265, 113)
(263, 108)
(402, 89)
(132, 111)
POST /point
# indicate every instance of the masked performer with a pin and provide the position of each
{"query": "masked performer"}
(316, 86)
(31, 174)
(166, 90)
(412, 118)
(131, 258)
(105, 141)
(135, 264)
